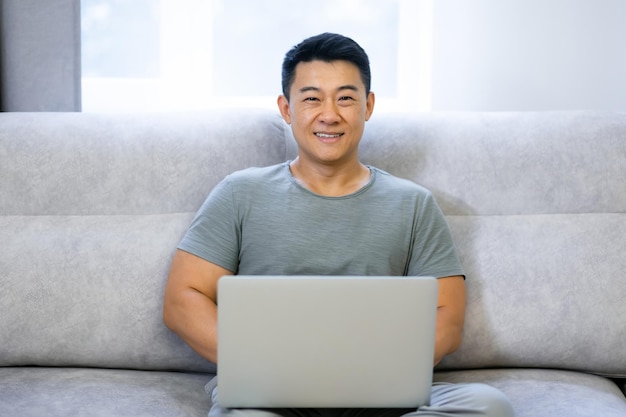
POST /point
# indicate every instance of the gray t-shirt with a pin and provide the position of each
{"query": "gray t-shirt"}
(260, 221)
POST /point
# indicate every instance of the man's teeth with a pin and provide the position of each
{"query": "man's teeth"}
(326, 135)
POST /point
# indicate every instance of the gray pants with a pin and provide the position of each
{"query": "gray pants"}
(447, 400)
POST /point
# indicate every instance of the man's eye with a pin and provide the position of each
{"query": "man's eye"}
(310, 99)
(345, 98)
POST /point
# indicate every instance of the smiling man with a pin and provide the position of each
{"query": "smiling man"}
(327, 106)
(324, 213)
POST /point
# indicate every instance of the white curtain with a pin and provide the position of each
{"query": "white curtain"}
(40, 55)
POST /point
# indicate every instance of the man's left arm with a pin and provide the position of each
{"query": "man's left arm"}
(450, 316)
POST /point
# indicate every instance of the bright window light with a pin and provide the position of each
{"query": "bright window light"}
(181, 55)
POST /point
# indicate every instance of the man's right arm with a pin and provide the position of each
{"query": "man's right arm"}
(190, 302)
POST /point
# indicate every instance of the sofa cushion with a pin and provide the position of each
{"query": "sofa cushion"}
(84, 163)
(543, 291)
(506, 163)
(62, 392)
(542, 392)
(88, 290)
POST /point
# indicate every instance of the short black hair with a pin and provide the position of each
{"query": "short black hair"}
(325, 47)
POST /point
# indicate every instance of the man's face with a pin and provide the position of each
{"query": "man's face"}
(327, 111)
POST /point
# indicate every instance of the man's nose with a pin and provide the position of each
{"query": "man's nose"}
(329, 112)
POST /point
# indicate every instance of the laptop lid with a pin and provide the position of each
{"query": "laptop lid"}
(310, 341)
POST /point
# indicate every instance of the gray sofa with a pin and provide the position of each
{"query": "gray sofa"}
(92, 207)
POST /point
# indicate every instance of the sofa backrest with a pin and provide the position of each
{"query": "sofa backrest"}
(91, 210)
(537, 206)
(92, 207)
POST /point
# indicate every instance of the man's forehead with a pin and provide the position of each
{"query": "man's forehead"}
(345, 75)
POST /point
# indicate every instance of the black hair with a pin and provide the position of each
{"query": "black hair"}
(325, 47)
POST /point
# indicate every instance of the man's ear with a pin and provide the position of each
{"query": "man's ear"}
(283, 107)
(369, 106)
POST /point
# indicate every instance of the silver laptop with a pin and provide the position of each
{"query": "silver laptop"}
(305, 341)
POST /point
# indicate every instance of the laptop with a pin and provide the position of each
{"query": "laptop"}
(313, 341)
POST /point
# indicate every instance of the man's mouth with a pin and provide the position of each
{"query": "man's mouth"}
(322, 135)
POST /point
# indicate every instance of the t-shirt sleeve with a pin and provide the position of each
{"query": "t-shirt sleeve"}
(433, 251)
(214, 233)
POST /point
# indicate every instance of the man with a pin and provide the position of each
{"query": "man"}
(324, 213)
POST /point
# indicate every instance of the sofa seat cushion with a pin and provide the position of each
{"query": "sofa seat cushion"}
(34, 392)
(549, 393)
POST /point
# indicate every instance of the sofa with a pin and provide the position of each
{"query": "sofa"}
(92, 207)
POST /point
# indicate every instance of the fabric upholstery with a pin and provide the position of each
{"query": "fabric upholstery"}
(93, 208)
(530, 278)
(83, 164)
(87, 392)
(537, 206)
(87, 291)
(549, 393)
(93, 205)
(506, 163)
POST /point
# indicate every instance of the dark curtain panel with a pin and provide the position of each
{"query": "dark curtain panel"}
(40, 55)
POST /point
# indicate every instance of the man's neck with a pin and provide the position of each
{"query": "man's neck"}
(330, 180)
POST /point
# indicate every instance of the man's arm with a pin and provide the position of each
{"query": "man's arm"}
(450, 316)
(190, 302)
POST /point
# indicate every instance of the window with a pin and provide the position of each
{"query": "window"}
(153, 55)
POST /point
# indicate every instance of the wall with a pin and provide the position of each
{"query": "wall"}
(506, 55)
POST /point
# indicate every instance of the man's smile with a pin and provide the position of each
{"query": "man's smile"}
(328, 136)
